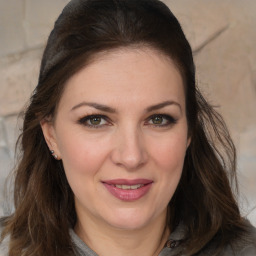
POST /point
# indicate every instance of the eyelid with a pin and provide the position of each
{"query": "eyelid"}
(84, 119)
(170, 120)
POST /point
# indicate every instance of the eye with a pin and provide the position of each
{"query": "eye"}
(94, 121)
(161, 120)
(158, 120)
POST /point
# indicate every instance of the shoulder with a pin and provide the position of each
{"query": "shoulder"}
(248, 244)
(4, 245)
(249, 250)
(243, 246)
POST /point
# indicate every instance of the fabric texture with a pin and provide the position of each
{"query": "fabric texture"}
(173, 246)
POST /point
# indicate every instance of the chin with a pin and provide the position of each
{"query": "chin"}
(128, 224)
(128, 219)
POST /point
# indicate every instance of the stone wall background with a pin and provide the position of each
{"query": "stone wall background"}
(222, 34)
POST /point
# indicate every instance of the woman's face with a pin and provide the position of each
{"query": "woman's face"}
(121, 132)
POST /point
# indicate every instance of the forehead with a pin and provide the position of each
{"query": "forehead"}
(134, 73)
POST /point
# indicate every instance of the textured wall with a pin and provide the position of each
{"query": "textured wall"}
(222, 34)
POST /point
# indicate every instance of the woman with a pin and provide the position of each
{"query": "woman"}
(121, 153)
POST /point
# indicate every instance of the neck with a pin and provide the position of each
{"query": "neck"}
(106, 240)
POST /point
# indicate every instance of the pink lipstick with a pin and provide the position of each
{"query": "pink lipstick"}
(128, 190)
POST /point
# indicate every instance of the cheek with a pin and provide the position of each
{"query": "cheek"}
(82, 154)
(169, 153)
(82, 159)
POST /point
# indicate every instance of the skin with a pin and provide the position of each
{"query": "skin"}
(127, 143)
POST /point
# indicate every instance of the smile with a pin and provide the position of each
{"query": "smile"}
(128, 190)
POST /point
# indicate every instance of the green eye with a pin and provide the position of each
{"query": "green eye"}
(157, 120)
(95, 120)
(161, 120)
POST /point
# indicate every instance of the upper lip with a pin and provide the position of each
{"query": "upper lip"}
(127, 181)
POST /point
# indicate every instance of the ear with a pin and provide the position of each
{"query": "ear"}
(50, 136)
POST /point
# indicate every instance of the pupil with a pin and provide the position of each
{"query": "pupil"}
(95, 120)
(157, 120)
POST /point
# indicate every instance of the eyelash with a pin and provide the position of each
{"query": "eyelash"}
(85, 119)
(169, 120)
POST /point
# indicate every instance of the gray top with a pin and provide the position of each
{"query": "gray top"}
(172, 247)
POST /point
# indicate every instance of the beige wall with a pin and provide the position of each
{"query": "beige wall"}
(223, 37)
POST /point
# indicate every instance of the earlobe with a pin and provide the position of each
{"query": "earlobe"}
(49, 133)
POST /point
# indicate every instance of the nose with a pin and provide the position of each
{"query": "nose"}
(129, 150)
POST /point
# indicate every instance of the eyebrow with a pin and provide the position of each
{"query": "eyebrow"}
(162, 105)
(108, 109)
(95, 105)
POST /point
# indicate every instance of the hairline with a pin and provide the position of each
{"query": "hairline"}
(101, 54)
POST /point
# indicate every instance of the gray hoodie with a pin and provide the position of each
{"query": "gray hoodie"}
(173, 246)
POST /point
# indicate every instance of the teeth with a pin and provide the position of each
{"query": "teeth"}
(127, 187)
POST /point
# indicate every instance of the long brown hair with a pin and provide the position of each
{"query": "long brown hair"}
(44, 204)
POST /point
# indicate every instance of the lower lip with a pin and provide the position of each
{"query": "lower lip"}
(128, 194)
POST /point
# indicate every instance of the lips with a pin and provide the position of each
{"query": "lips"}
(128, 190)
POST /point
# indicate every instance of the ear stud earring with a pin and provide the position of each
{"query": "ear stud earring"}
(53, 154)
